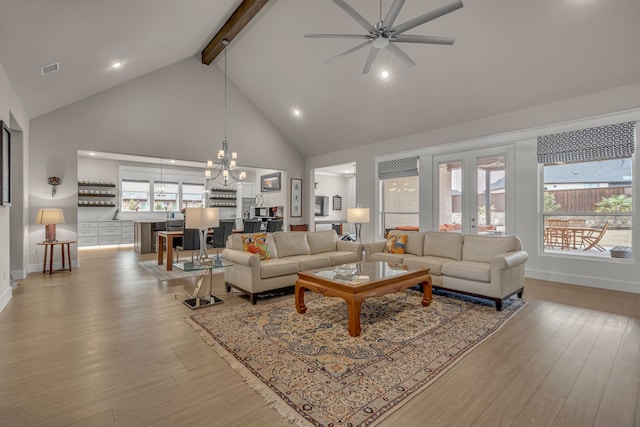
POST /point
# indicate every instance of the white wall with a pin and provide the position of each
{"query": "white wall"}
(12, 224)
(521, 129)
(176, 112)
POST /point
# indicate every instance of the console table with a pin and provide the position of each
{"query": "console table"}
(48, 248)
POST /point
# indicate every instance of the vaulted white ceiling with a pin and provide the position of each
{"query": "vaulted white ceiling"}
(508, 55)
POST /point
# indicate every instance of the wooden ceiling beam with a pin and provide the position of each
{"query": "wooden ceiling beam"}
(239, 19)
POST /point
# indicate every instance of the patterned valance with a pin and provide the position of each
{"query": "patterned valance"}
(398, 168)
(584, 145)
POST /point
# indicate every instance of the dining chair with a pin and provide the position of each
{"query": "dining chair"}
(557, 233)
(190, 242)
(576, 228)
(252, 225)
(593, 236)
(274, 225)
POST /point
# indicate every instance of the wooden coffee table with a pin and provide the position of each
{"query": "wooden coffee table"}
(356, 282)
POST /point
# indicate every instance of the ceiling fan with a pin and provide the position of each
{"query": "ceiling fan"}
(385, 35)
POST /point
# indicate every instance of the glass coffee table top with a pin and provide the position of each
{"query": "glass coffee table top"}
(362, 272)
(202, 265)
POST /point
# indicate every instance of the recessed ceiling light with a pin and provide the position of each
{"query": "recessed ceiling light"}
(92, 153)
(116, 65)
(172, 161)
(297, 112)
(384, 74)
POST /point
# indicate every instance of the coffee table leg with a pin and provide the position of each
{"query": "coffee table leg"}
(354, 317)
(300, 307)
(427, 295)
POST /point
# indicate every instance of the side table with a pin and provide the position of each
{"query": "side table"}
(48, 248)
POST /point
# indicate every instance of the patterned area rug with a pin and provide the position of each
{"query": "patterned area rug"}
(314, 373)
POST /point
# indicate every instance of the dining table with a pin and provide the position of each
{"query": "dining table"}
(167, 237)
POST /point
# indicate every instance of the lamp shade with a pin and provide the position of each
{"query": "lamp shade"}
(201, 217)
(50, 216)
(358, 215)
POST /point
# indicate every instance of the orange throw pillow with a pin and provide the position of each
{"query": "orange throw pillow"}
(396, 243)
(256, 244)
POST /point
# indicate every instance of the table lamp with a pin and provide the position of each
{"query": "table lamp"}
(50, 217)
(203, 219)
(358, 216)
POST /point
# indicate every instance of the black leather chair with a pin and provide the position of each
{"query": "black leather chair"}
(252, 226)
(274, 225)
(190, 242)
(222, 233)
(175, 225)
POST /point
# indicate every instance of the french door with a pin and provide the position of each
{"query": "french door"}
(473, 191)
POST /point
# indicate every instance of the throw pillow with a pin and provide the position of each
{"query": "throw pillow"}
(396, 243)
(256, 244)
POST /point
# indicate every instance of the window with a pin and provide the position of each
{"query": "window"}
(401, 202)
(165, 196)
(135, 195)
(400, 196)
(588, 192)
(192, 195)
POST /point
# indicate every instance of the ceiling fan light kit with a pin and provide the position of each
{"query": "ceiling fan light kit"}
(385, 35)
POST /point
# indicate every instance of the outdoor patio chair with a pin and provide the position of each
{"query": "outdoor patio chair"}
(591, 238)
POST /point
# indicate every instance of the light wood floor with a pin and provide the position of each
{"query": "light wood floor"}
(107, 344)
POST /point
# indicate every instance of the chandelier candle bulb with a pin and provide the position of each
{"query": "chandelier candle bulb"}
(209, 164)
(207, 174)
(221, 154)
(232, 164)
(234, 155)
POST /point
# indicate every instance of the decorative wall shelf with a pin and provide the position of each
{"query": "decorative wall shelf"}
(90, 190)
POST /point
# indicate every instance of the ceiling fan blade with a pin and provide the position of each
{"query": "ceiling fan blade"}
(429, 16)
(393, 12)
(355, 15)
(406, 38)
(400, 54)
(338, 36)
(345, 53)
(372, 56)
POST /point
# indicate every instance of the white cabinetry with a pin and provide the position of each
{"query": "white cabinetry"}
(96, 233)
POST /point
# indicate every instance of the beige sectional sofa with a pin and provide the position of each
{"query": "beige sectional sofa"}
(290, 252)
(490, 267)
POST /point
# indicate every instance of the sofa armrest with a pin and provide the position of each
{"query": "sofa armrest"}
(509, 260)
(355, 247)
(241, 257)
(373, 247)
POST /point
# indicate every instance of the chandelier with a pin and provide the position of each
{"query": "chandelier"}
(226, 163)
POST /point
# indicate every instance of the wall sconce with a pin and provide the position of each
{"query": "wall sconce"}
(54, 181)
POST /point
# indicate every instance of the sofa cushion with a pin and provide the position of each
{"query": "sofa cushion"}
(291, 243)
(443, 244)
(278, 267)
(434, 264)
(309, 262)
(344, 257)
(256, 244)
(483, 248)
(322, 241)
(469, 270)
(415, 240)
(396, 243)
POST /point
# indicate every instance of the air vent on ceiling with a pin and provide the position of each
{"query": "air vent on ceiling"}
(51, 68)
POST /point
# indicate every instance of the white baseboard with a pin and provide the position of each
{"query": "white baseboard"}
(5, 297)
(590, 281)
(19, 274)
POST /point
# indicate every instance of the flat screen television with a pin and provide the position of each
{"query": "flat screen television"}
(322, 206)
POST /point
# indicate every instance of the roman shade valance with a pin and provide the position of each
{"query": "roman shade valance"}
(600, 143)
(398, 168)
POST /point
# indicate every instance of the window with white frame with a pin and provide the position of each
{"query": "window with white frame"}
(588, 191)
(165, 196)
(135, 195)
(192, 195)
(400, 192)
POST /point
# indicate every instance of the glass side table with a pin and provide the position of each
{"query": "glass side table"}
(207, 266)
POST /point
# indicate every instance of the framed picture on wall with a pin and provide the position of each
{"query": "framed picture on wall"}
(270, 182)
(5, 161)
(337, 203)
(296, 197)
